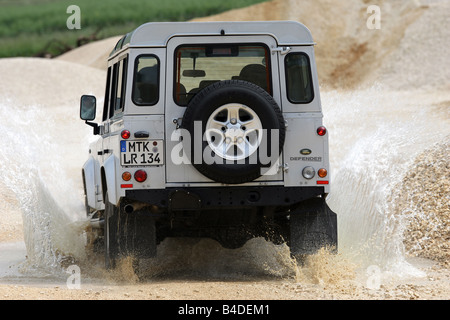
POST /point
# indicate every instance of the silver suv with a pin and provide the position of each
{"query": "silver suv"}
(209, 129)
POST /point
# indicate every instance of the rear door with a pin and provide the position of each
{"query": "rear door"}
(196, 62)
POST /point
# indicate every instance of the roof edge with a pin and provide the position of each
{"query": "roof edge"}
(158, 33)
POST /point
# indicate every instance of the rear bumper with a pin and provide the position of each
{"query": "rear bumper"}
(223, 197)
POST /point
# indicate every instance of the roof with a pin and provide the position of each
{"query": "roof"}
(158, 33)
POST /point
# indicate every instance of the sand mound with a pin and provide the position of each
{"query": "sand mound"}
(425, 204)
(48, 83)
(94, 54)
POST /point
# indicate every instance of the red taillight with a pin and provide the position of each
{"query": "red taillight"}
(140, 176)
(321, 131)
(125, 134)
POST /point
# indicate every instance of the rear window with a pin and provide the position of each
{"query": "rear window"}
(197, 66)
(298, 78)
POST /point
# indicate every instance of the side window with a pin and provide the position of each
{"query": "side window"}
(121, 83)
(119, 80)
(107, 95)
(298, 78)
(113, 90)
(146, 80)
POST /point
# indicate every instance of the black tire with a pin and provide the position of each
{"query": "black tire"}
(125, 234)
(220, 94)
(313, 225)
(110, 234)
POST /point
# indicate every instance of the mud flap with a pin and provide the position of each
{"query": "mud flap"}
(313, 225)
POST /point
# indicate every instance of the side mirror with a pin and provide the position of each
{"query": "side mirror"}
(88, 107)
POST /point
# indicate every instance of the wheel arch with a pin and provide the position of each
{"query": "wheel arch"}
(88, 177)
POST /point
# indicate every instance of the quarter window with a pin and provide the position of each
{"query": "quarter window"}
(298, 78)
(146, 81)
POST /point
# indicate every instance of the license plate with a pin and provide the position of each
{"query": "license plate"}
(141, 153)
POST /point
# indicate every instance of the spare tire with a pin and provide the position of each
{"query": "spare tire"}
(236, 131)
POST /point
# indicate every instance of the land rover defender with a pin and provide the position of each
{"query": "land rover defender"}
(209, 129)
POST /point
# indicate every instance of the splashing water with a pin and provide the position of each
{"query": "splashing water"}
(31, 163)
(375, 135)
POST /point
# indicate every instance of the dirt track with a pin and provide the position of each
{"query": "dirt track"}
(323, 277)
(349, 56)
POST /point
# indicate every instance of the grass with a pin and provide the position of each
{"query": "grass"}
(38, 27)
